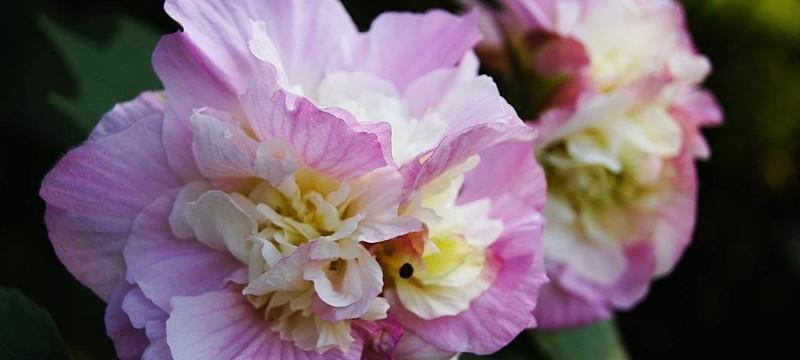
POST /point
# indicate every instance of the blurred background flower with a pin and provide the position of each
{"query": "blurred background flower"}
(732, 295)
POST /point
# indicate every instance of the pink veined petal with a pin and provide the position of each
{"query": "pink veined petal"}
(411, 347)
(426, 92)
(191, 82)
(507, 305)
(221, 149)
(304, 33)
(510, 165)
(390, 49)
(129, 341)
(558, 308)
(165, 267)
(476, 101)
(95, 192)
(457, 148)
(123, 115)
(323, 142)
(224, 325)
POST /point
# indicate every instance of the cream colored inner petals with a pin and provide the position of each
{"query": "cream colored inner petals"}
(299, 242)
(604, 183)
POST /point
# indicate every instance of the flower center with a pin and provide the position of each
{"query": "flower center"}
(600, 177)
(438, 271)
(306, 207)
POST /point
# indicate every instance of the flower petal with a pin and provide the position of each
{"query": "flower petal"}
(390, 48)
(219, 222)
(223, 31)
(165, 267)
(224, 325)
(221, 149)
(520, 273)
(129, 341)
(457, 148)
(95, 192)
(323, 141)
(123, 115)
(191, 82)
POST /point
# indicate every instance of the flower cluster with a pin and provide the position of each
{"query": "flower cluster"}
(304, 190)
(619, 136)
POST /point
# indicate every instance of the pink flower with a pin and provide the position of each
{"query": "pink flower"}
(618, 144)
(249, 210)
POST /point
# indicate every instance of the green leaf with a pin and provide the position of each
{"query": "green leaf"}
(600, 341)
(26, 330)
(104, 74)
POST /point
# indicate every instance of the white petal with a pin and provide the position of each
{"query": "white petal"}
(221, 224)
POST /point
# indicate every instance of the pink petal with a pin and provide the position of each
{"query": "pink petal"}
(224, 325)
(304, 32)
(558, 308)
(457, 148)
(323, 142)
(129, 341)
(95, 192)
(411, 347)
(510, 165)
(391, 47)
(676, 219)
(140, 309)
(221, 149)
(191, 82)
(165, 267)
(123, 115)
(697, 108)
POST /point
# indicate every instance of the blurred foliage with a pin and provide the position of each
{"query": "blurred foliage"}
(777, 16)
(600, 341)
(104, 73)
(27, 331)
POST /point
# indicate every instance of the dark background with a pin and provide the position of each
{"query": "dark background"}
(735, 294)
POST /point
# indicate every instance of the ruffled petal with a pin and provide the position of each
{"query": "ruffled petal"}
(95, 192)
(411, 347)
(191, 82)
(323, 142)
(140, 309)
(223, 30)
(165, 267)
(390, 49)
(514, 163)
(457, 148)
(221, 149)
(129, 341)
(224, 325)
(519, 261)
